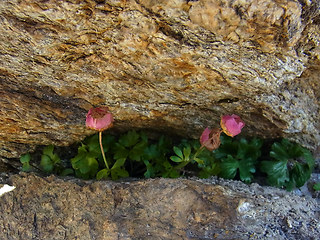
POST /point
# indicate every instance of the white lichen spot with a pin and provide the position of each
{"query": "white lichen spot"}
(6, 188)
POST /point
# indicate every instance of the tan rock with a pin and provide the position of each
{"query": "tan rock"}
(52, 208)
(172, 66)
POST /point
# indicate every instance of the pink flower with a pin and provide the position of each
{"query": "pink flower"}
(231, 125)
(210, 139)
(99, 119)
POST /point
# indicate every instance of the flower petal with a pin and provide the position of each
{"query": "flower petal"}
(231, 125)
(210, 139)
(204, 136)
(99, 119)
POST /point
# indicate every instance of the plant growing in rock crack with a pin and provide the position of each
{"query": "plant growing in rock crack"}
(98, 119)
(290, 165)
(51, 162)
(156, 159)
(25, 160)
(231, 125)
(134, 154)
(237, 157)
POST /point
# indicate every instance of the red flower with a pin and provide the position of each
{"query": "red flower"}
(99, 119)
(231, 125)
(210, 139)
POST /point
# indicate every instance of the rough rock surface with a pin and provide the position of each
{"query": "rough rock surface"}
(52, 208)
(173, 65)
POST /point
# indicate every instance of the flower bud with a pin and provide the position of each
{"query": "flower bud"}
(210, 139)
(231, 124)
(99, 119)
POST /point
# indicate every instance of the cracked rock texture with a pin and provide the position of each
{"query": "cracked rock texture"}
(171, 66)
(53, 208)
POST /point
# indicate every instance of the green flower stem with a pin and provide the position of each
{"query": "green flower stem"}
(102, 151)
(181, 165)
(184, 163)
(198, 152)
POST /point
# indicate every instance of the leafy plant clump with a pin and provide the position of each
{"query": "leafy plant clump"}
(238, 157)
(134, 154)
(290, 166)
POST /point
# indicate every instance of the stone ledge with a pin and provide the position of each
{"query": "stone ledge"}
(55, 208)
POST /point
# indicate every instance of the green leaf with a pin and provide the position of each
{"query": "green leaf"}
(277, 172)
(249, 150)
(25, 158)
(88, 165)
(176, 159)
(66, 172)
(151, 171)
(173, 174)
(143, 136)
(119, 163)
(46, 163)
(316, 186)
(120, 151)
(130, 139)
(26, 167)
(164, 144)
(246, 170)
(138, 151)
(299, 164)
(238, 155)
(55, 159)
(300, 174)
(242, 148)
(226, 148)
(48, 150)
(117, 173)
(152, 152)
(290, 185)
(82, 154)
(229, 167)
(103, 174)
(209, 170)
(256, 143)
(307, 155)
(279, 151)
(186, 153)
(178, 152)
(199, 161)
(93, 145)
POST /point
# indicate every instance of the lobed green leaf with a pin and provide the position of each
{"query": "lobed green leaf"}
(103, 174)
(178, 152)
(229, 167)
(176, 159)
(277, 172)
(25, 158)
(130, 139)
(46, 164)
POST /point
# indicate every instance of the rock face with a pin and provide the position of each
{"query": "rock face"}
(52, 208)
(163, 65)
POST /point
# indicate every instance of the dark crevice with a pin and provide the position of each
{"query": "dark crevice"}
(228, 100)
(35, 232)
(168, 31)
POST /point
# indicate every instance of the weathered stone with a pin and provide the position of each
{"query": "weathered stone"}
(167, 65)
(52, 208)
